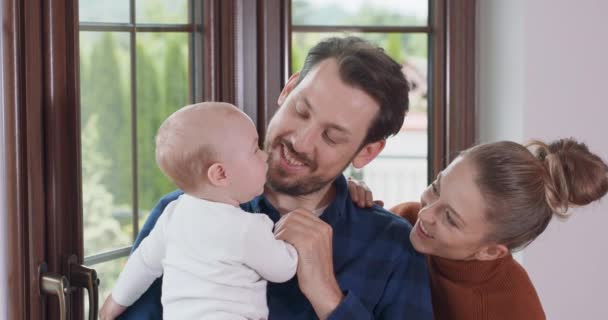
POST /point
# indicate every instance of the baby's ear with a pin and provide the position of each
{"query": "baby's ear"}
(217, 175)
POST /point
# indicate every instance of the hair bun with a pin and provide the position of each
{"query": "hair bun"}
(575, 176)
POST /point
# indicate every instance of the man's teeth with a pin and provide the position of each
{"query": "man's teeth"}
(290, 160)
(424, 230)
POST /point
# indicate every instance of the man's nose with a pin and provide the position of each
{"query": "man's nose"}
(304, 140)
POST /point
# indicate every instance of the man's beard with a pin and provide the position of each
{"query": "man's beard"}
(275, 178)
(302, 187)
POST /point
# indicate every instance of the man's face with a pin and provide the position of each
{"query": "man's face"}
(317, 131)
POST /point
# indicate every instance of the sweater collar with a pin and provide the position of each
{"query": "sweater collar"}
(471, 271)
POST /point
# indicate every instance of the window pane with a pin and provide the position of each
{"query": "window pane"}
(105, 140)
(107, 273)
(161, 11)
(104, 11)
(400, 171)
(360, 12)
(162, 87)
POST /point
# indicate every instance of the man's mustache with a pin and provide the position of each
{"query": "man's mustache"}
(294, 154)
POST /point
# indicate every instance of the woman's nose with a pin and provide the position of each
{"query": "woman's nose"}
(426, 216)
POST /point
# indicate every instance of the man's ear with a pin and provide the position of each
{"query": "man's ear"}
(217, 175)
(492, 252)
(289, 86)
(368, 153)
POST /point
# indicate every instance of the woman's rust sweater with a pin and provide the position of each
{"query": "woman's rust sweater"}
(478, 290)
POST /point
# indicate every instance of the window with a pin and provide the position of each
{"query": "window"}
(138, 63)
(403, 29)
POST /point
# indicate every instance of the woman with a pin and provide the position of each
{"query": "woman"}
(494, 199)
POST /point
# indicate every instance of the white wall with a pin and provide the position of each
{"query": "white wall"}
(500, 71)
(566, 69)
(557, 68)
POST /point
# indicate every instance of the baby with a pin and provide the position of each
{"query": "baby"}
(214, 257)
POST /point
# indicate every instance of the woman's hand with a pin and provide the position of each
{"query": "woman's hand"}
(111, 309)
(361, 194)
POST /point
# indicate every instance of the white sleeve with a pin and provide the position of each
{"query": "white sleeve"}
(274, 260)
(144, 265)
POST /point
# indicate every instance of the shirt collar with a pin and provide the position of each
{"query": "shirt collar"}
(334, 212)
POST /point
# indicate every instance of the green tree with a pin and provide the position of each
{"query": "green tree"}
(394, 48)
(101, 231)
(157, 98)
(176, 88)
(150, 115)
(105, 97)
(297, 58)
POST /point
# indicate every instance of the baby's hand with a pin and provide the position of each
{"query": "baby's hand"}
(110, 309)
(361, 194)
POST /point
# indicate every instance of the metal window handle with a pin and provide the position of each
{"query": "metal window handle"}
(83, 277)
(57, 285)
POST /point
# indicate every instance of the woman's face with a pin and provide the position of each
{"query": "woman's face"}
(451, 223)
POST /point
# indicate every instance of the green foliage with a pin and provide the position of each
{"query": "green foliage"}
(102, 232)
(394, 47)
(158, 95)
(400, 47)
(162, 11)
(332, 13)
(162, 87)
(106, 134)
(104, 95)
(176, 94)
(149, 117)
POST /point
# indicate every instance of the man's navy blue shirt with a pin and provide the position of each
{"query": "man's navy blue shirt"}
(378, 270)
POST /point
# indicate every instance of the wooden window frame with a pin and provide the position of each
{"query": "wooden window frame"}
(194, 27)
(41, 103)
(452, 107)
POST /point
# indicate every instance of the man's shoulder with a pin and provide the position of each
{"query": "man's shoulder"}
(379, 217)
(382, 226)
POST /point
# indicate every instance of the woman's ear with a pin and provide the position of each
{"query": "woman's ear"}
(289, 86)
(492, 252)
(217, 175)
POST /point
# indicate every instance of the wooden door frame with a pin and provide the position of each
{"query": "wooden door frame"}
(42, 139)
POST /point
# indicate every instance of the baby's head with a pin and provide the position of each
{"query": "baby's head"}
(210, 150)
